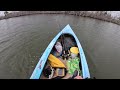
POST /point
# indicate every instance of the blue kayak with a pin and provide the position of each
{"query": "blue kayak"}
(42, 61)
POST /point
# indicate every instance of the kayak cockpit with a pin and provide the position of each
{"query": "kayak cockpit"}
(64, 60)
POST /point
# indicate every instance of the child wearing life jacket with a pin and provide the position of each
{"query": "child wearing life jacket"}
(58, 49)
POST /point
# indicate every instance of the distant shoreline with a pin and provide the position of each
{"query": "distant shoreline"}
(100, 16)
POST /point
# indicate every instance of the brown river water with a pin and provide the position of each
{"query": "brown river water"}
(24, 39)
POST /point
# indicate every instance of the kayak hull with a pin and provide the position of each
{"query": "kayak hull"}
(40, 65)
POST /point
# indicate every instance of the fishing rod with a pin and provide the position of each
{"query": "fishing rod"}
(64, 51)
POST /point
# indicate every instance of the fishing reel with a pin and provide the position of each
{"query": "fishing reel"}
(48, 72)
(66, 55)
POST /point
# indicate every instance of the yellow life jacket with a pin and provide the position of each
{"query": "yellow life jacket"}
(55, 62)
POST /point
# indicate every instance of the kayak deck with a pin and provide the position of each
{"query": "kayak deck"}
(69, 41)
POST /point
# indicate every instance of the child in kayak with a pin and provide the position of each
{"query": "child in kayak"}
(58, 49)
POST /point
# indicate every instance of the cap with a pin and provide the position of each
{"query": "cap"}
(74, 50)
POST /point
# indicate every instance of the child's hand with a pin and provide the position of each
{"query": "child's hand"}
(78, 77)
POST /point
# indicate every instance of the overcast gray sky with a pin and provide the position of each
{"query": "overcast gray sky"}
(1, 13)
